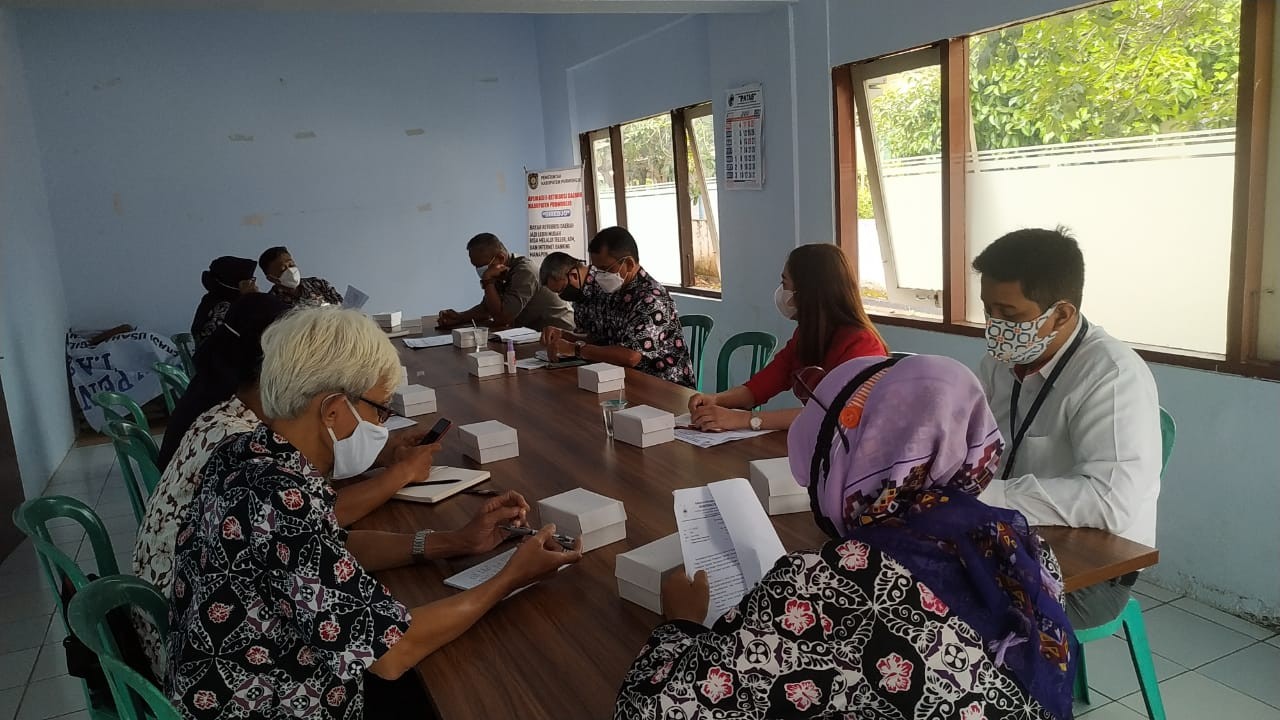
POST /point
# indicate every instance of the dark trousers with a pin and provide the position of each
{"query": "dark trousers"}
(397, 699)
(1099, 604)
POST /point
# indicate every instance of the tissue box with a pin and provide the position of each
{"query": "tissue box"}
(601, 378)
(640, 572)
(777, 489)
(413, 400)
(388, 320)
(485, 363)
(464, 337)
(489, 441)
(644, 426)
(598, 519)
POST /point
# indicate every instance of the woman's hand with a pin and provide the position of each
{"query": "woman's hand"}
(537, 557)
(482, 534)
(685, 599)
(702, 400)
(713, 418)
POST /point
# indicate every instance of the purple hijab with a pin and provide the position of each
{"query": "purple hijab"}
(897, 462)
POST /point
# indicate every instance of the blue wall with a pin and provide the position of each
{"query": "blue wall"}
(1217, 529)
(135, 113)
(33, 315)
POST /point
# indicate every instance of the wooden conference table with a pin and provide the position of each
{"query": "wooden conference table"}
(560, 649)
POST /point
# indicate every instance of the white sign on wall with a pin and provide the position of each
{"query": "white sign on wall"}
(744, 138)
(556, 214)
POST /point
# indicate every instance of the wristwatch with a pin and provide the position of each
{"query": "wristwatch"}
(577, 348)
(756, 420)
(419, 551)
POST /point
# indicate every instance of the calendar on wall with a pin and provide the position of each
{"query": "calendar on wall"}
(744, 138)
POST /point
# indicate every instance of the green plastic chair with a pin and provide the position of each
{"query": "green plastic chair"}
(135, 448)
(701, 330)
(118, 406)
(186, 351)
(87, 615)
(173, 383)
(32, 518)
(1130, 619)
(762, 345)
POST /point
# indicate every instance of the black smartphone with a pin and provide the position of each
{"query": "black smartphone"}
(437, 431)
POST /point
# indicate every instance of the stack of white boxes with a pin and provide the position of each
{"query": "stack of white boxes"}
(644, 426)
(485, 363)
(601, 378)
(777, 489)
(413, 400)
(489, 441)
(641, 572)
(598, 519)
(388, 321)
(466, 338)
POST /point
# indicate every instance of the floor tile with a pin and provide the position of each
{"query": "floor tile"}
(56, 634)
(21, 635)
(1189, 640)
(1275, 641)
(113, 508)
(1116, 711)
(1098, 700)
(77, 715)
(53, 697)
(52, 662)
(1111, 669)
(120, 525)
(1192, 696)
(9, 700)
(29, 604)
(1155, 591)
(1222, 618)
(21, 561)
(15, 667)
(1253, 671)
(66, 533)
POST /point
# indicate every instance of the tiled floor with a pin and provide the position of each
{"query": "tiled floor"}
(1210, 664)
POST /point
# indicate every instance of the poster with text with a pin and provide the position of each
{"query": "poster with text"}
(556, 214)
(744, 138)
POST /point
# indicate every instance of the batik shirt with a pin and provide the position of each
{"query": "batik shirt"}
(270, 615)
(312, 291)
(642, 317)
(217, 315)
(843, 632)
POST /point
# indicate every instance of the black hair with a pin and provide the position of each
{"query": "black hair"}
(270, 255)
(557, 265)
(617, 242)
(1047, 263)
(485, 241)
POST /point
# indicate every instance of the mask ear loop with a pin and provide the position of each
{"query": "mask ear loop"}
(820, 465)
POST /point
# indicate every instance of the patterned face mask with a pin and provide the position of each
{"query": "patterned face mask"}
(1016, 343)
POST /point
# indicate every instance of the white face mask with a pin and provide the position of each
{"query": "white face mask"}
(480, 271)
(1017, 343)
(291, 277)
(355, 454)
(782, 298)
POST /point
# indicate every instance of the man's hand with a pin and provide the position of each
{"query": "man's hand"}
(446, 319)
(493, 273)
(537, 557)
(685, 599)
(398, 440)
(482, 534)
(415, 462)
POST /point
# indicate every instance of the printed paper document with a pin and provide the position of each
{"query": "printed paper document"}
(428, 342)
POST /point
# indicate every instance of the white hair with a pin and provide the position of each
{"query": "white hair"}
(320, 351)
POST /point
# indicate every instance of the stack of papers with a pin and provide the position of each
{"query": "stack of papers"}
(519, 336)
(428, 342)
(711, 439)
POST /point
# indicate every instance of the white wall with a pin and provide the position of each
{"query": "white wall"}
(1217, 535)
(33, 315)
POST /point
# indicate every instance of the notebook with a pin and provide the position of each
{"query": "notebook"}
(463, 477)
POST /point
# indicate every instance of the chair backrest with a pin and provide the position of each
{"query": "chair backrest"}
(173, 383)
(118, 406)
(700, 326)
(900, 355)
(1168, 431)
(761, 344)
(91, 605)
(32, 518)
(187, 351)
(137, 454)
(143, 700)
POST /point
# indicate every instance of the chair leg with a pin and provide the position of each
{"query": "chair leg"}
(1082, 679)
(1143, 664)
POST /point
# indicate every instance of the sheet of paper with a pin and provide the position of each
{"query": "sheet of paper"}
(520, 336)
(395, 422)
(532, 363)
(754, 537)
(712, 439)
(428, 342)
(707, 545)
(353, 298)
(486, 570)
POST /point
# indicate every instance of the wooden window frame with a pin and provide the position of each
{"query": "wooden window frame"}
(1240, 356)
(684, 215)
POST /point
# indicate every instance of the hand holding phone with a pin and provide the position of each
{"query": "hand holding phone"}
(442, 426)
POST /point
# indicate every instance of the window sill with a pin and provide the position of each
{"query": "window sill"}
(694, 292)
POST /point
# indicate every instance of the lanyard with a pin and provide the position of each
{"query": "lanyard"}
(1021, 430)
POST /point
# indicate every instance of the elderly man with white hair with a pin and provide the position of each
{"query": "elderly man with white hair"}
(273, 610)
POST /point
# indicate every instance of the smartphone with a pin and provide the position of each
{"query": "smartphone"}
(438, 431)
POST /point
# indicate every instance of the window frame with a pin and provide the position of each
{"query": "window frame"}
(1240, 356)
(680, 118)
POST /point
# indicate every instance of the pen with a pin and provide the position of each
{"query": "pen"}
(424, 483)
(565, 541)
(481, 493)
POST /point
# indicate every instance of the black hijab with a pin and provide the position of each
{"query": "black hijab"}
(222, 284)
(229, 359)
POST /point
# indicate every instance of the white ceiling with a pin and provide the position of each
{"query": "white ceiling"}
(440, 6)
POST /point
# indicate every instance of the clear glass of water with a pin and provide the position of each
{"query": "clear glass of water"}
(481, 335)
(609, 407)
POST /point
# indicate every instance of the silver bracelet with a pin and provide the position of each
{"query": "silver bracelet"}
(419, 551)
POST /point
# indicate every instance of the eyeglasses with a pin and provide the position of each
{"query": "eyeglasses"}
(804, 383)
(384, 413)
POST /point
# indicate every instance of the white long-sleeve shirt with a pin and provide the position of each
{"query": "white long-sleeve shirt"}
(1091, 457)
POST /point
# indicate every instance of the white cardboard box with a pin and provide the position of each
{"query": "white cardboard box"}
(601, 377)
(404, 376)
(412, 395)
(489, 441)
(644, 426)
(640, 572)
(465, 337)
(777, 489)
(598, 519)
(388, 320)
(410, 411)
(484, 363)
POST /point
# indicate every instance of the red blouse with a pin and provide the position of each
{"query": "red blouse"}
(776, 377)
